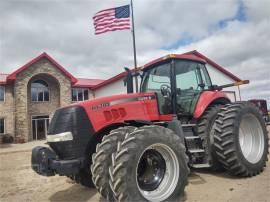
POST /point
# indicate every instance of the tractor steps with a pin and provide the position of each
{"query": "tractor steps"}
(192, 137)
(201, 165)
(189, 125)
(196, 150)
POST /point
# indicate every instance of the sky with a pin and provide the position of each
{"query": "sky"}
(233, 33)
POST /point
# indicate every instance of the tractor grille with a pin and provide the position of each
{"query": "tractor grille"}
(75, 120)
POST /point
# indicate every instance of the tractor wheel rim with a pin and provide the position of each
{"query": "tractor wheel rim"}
(251, 138)
(160, 162)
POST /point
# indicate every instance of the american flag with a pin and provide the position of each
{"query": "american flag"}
(112, 19)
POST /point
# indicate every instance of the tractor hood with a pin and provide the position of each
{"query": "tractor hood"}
(110, 110)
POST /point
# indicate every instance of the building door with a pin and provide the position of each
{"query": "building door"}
(40, 126)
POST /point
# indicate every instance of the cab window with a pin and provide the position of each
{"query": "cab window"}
(156, 77)
(189, 84)
(154, 80)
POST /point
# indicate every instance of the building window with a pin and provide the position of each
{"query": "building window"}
(40, 125)
(2, 125)
(80, 94)
(2, 93)
(39, 91)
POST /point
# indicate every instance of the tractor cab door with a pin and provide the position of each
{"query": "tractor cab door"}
(191, 79)
(158, 80)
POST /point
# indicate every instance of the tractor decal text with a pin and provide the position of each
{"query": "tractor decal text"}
(124, 100)
(100, 106)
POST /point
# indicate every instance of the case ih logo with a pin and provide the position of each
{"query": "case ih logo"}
(100, 106)
(146, 98)
(124, 100)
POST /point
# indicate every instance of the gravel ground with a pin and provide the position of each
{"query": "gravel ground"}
(19, 183)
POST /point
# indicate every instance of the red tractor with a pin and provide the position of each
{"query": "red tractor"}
(141, 146)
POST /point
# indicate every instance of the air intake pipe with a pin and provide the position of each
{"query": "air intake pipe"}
(129, 80)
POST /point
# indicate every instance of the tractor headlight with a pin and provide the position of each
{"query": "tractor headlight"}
(60, 137)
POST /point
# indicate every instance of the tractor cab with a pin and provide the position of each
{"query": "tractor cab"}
(178, 82)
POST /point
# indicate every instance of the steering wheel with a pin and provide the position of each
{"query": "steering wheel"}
(165, 90)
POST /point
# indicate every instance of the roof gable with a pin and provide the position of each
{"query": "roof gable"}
(12, 76)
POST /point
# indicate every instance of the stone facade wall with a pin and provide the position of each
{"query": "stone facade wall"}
(43, 108)
(7, 110)
(18, 107)
(24, 108)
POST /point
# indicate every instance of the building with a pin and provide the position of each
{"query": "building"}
(30, 95)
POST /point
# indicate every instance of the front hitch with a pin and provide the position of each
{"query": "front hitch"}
(41, 157)
(45, 162)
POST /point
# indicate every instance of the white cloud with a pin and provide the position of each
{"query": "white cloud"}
(64, 30)
(257, 10)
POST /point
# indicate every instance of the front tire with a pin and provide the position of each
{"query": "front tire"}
(102, 160)
(241, 139)
(150, 165)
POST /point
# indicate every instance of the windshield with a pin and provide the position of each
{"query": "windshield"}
(156, 77)
(153, 80)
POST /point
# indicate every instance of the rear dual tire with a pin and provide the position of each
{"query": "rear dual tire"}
(206, 131)
(240, 140)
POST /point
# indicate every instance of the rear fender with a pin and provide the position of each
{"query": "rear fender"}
(207, 98)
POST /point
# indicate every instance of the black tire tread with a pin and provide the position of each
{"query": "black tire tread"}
(203, 131)
(225, 145)
(128, 149)
(102, 160)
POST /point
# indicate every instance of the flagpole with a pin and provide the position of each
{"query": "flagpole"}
(134, 45)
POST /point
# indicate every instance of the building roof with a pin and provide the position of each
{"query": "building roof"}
(13, 75)
(98, 83)
(81, 82)
(87, 83)
(111, 80)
